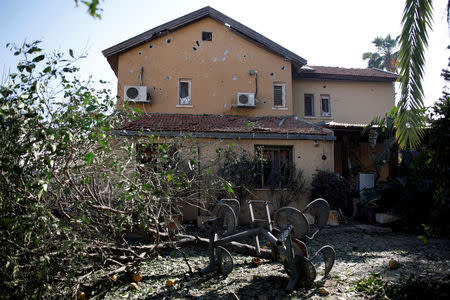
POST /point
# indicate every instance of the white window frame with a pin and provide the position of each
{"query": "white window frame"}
(325, 113)
(312, 105)
(283, 94)
(183, 102)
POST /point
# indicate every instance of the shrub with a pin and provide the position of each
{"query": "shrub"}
(333, 188)
(244, 171)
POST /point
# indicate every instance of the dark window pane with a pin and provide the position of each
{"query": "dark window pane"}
(275, 166)
(325, 105)
(184, 89)
(278, 95)
(206, 36)
(309, 105)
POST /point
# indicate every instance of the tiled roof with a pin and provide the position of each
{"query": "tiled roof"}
(333, 124)
(337, 73)
(157, 122)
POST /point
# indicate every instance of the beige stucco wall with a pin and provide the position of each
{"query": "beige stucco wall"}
(219, 69)
(306, 156)
(351, 102)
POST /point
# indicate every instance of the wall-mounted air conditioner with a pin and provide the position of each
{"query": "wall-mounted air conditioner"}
(246, 99)
(136, 93)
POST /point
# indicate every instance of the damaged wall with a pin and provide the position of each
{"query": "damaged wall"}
(218, 70)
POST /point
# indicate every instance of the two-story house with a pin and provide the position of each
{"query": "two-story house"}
(210, 77)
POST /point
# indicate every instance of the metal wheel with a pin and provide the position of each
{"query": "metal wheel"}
(305, 269)
(234, 204)
(227, 220)
(299, 247)
(320, 210)
(224, 260)
(290, 215)
(328, 255)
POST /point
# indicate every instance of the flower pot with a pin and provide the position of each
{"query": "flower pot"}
(333, 218)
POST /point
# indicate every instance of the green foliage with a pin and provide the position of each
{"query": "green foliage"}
(244, 172)
(383, 127)
(418, 287)
(421, 193)
(371, 285)
(333, 188)
(93, 8)
(39, 127)
(241, 169)
(410, 122)
(408, 287)
(69, 188)
(386, 57)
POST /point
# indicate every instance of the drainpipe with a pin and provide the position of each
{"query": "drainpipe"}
(254, 72)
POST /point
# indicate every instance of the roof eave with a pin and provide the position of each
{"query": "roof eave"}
(311, 75)
(226, 135)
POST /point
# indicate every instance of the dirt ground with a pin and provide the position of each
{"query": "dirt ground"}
(363, 253)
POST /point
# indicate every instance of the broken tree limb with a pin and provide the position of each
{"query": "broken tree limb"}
(189, 240)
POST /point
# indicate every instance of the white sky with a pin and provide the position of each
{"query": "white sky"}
(325, 32)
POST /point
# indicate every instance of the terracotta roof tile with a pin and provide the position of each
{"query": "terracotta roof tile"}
(159, 122)
(337, 73)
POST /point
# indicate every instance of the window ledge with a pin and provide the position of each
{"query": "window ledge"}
(309, 117)
(185, 105)
(326, 117)
(280, 108)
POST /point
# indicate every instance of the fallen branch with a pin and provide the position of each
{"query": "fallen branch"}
(189, 240)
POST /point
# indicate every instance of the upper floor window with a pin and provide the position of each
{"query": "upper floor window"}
(279, 95)
(325, 107)
(184, 92)
(206, 36)
(309, 105)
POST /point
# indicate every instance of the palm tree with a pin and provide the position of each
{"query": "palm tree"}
(410, 120)
(386, 57)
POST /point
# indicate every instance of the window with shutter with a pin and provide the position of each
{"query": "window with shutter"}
(309, 105)
(279, 95)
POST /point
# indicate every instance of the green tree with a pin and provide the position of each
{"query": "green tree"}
(385, 58)
(93, 7)
(410, 121)
(70, 188)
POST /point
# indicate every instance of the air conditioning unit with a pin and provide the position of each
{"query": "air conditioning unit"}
(246, 99)
(136, 93)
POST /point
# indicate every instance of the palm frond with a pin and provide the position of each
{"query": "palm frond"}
(410, 122)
